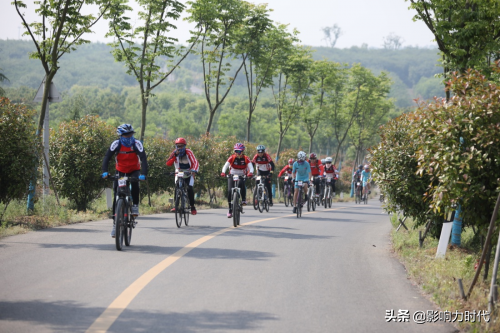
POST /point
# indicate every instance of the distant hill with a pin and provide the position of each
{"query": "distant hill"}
(412, 69)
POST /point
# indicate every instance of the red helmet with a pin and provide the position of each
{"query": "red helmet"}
(180, 141)
(313, 155)
(239, 146)
(290, 161)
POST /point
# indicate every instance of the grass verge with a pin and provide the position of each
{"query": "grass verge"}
(438, 278)
(48, 213)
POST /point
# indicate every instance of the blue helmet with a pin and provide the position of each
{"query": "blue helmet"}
(125, 129)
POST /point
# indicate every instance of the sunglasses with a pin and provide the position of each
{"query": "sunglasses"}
(180, 146)
(260, 151)
(238, 151)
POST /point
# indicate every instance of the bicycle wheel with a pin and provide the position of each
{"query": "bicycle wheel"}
(255, 199)
(178, 213)
(260, 201)
(313, 204)
(266, 201)
(285, 196)
(236, 209)
(309, 199)
(366, 198)
(128, 228)
(119, 223)
(330, 199)
(184, 209)
(299, 203)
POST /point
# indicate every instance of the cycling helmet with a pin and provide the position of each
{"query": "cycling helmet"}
(290, 161)
(323, 161)
(301, 156)
(360, 166)
(180, 141)
(328, 160)
(239, 146)
(261, 147)
(367, 167)
(125, 129)
(313, 155)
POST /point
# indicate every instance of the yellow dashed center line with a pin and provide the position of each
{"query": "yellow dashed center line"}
(113, 311)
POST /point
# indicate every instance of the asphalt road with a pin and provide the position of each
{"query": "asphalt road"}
(329, 271)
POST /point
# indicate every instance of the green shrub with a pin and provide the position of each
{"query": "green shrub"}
(157, 150)
(20, 150)
(77, 149)
(460, 149)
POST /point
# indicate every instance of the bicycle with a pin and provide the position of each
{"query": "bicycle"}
(181, 197)
(124, 220)
(300, 197)
(327, 198)
(287, 192)
(260, 195)
(312, 201)
(358, 192)
(236, 202)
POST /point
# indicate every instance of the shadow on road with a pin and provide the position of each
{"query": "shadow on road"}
(67, 316)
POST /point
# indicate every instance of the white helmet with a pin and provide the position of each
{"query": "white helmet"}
(367, 166)
(301, 156)
(328, 160)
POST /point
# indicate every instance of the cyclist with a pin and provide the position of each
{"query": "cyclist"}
(316, 171)
(323, 181)
(130, 161)
(366, 177)
(264, 166)
(238, 164)
(330, 171)
(356, 177)
(288, 170)
(184, 159)
(301, 171)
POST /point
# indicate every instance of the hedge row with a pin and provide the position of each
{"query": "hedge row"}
(444, 153)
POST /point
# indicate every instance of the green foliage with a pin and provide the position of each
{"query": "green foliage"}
(444, 153)
(394, 169)
(77, 149)
(2, 79)
(429, 87)
(467, 32)
(460, 146)
(18, 156)
(146, 60)
(158, 150)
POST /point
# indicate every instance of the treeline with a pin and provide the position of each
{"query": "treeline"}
(411, 69)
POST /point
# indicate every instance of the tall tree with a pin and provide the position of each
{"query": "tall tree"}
(220, 23)
(60, 31)
(467, 32)
(261, 61)
(332, 34)
(291, 88)
(143, 48)
(322, 76)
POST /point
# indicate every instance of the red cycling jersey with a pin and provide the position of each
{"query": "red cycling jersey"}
(330, 172)
(317, 168)
(188, 161)
(288, 169)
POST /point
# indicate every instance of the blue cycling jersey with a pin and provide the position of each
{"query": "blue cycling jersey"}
(365, 176)
(302, 170)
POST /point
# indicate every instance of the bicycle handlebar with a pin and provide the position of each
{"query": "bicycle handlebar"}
(130, 179)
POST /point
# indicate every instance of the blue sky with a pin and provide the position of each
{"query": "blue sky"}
(362, 21)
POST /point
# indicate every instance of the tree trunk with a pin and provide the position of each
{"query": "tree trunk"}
(46, 90)
(279, 147)
(311, 137)
(143, 118)
(210, 119)
(249, 122)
